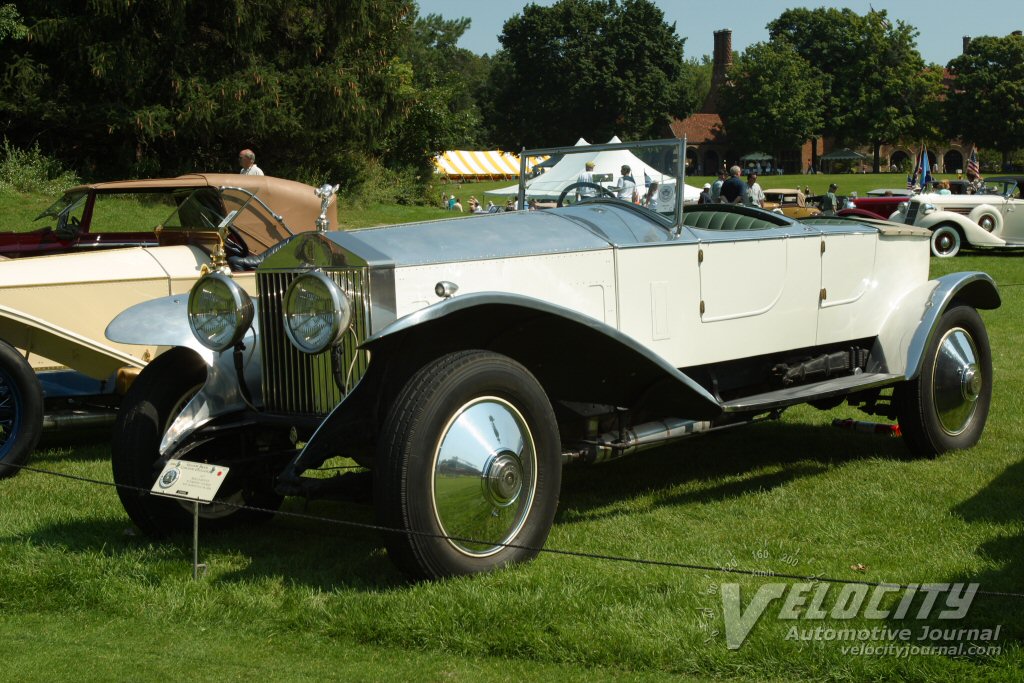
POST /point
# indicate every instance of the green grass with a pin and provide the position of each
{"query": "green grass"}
(83, 596)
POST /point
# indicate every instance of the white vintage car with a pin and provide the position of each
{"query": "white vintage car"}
(991, 217)
(463, 362)
(57, 370)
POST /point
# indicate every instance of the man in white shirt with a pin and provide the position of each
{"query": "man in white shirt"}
(247, 158)
(586, 176)
(625, 188)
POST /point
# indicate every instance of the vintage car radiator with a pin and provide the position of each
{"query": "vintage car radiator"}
(298, 383)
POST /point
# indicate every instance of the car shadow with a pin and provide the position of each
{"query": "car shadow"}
(330, 545)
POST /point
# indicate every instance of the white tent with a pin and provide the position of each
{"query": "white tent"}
(607, 164)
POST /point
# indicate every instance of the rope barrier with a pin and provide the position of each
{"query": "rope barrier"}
(551, 551)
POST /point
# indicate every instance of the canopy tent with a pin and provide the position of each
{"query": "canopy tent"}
(844, 154)
(756, 156)
(480, 165)
(607, 165)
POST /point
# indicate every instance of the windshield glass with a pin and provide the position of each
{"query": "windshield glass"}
(643, 174)
(200, 209)
(68, 207)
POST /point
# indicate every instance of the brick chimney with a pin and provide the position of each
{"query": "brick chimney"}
(721, 61)
(967, 43)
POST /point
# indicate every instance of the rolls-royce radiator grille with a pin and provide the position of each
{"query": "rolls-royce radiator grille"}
(303, 384)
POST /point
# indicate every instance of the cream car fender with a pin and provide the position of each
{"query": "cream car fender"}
(973, 233)
(39, 337)
(911, 321)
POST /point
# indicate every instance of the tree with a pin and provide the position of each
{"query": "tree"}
(446, 78)
(774, 99)
(986, 103)
(879, 84)
(591, 68)
(124, 88)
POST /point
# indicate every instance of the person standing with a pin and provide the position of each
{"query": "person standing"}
(716, 188)
(755, 195)
(733, 190)
(829, 203)
(586, 176)
(625, 188)
(705, 194)
(247, 158)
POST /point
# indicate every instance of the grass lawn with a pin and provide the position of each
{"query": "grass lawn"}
(83, 596)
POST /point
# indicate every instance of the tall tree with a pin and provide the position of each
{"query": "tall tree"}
(880, 89)
(774, 99)
(590, 68)
(447, 79)
(986, 103)
(123, 88)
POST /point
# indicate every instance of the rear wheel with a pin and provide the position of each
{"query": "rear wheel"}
(946, 241)
(471, 463)
(159, 394)
(21, 410)
(946, 406)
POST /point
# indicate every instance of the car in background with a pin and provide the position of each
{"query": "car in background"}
(992, 217)
(463, 362)
(872, 206)
(56, 368)
(788, 202)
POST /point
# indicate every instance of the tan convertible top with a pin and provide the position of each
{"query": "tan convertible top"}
(295, 201)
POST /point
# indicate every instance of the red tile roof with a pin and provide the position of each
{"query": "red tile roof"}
(699, 128)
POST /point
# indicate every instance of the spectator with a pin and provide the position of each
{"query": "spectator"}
(829, 202)
(625, 188)
(944, 187)
(457, 206)
(451, 202)
(651, 198)
(586, 176)
(755, 195)
(733, 190)
(247, 158)
(705, 194)
(716, 188)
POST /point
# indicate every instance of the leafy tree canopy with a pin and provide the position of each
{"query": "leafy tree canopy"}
(986, 103)
(590, 68)
(774, 99)
(122, 88)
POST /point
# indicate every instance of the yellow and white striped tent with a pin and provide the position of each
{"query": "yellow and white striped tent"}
(479, 165)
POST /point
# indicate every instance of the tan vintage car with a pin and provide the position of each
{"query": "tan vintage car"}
(788, 202)
(123, 242)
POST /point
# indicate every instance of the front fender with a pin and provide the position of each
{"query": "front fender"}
(574, 357)
(164, 322)
(912, 320)
(974, 233)
(89, 356)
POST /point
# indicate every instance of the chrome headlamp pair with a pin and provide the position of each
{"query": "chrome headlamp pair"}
(316, 312)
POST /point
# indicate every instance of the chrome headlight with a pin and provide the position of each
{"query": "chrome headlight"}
(316, 312)
(928, 208)
(219, 311)
(903, 207)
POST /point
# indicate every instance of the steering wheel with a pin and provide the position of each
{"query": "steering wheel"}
(572, 188)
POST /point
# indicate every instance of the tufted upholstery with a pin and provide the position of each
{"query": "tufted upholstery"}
(721, 220)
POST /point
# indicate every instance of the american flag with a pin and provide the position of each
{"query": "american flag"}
(972, 164)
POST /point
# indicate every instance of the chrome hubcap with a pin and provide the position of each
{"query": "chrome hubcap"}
(957, 381)
(484, 476)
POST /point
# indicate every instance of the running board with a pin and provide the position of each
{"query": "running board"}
(810, 392)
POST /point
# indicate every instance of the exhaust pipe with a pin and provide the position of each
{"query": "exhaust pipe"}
(78, 419)
(614, 445)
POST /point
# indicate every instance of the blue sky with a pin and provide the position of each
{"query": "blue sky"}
(941, 23)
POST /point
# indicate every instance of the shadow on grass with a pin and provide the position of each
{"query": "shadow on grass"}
(329, 555)
(1000, 502)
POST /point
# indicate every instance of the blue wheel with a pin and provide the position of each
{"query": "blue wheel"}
(21, 410)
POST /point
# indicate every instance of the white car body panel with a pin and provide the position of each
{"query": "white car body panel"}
(965, 211)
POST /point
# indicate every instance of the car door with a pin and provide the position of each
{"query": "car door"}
(758, 290)
(847, 275)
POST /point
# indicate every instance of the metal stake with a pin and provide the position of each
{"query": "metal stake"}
(198, 570)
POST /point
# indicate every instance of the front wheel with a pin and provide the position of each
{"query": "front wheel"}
(946, 241)
(160, 393)
(21, 410)
(470, 467)
(946, 406)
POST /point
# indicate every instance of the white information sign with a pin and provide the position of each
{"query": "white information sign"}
(189, 480)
